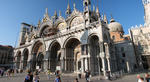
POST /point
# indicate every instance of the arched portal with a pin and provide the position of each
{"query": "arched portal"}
(25, 59)
(37, 56)
(54, 56)
(71, 47)
(18, 59)
(95, 60)
(39, 59)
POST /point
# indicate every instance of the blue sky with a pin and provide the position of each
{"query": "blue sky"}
(13, 13)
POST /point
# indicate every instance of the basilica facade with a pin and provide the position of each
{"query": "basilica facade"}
(81, 41)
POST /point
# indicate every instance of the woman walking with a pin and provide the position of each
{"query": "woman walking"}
(36, 78)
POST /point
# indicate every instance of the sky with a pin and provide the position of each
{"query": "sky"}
(14, 12)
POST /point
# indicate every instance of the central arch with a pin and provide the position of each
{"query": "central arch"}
(95, 60)
(37, 56)
(71, 46)
(55, 54)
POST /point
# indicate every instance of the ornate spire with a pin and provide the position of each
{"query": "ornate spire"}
(59, 13)
(39, 23)
(112, 19)
(68, 11)
(97, 12)
(87, 5)
(46, 12)
(46, 16)
(55, 15)
(87, 10)
(74, 6)
(105, 19)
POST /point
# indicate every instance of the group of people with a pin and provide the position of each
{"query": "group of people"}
(8, 72)
(34, 77)
(58, 78)
(142, 79)
(30, 77)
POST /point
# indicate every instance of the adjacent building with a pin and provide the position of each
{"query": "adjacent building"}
(140, 36)
(6, 56)
(123, 47)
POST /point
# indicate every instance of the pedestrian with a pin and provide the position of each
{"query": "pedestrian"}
(31, 76)
(12, 72)
(147, 77)
(140, 79)
(108, 75)
(27, 78)
(48, 74)
(57, 72)
(2, 73)
(36, 78)
(76, 80)
(87, 76)
(58, 79)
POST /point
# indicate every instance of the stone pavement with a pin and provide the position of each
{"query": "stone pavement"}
(66, 78)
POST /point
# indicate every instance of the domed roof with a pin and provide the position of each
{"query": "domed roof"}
(115, 26)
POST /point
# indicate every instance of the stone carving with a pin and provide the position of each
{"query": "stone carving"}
(62, 26)
(77, 21)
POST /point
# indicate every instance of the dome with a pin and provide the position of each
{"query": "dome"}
(115, 27)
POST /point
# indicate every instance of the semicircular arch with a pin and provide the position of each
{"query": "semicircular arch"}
(93, 34)
(67, 39)
(36, 45)
(18, 53)
(44, 26)
(52, 43)
(76, 20)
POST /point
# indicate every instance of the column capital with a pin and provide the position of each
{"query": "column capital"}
(108, 57)
(102, 55)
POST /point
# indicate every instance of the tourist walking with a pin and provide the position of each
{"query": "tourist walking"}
(147, 77)
(57, 73)
(58, 79)
(36, 78)
(12, 72)
(87, 76)
(27, 78)
(2, 73)
(48, 74)
(140, 79)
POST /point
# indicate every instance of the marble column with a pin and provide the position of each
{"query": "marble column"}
(45, 61)
(21, 62)
(103, 57)
(64, 52)
(45, 66)
(86, 64)
(104, 67)
(29, 63)
(82, 66)
(62, 60)
(109, 65)
(107, 56)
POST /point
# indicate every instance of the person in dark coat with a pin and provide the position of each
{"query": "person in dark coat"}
(87, 76)
(31, 76)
